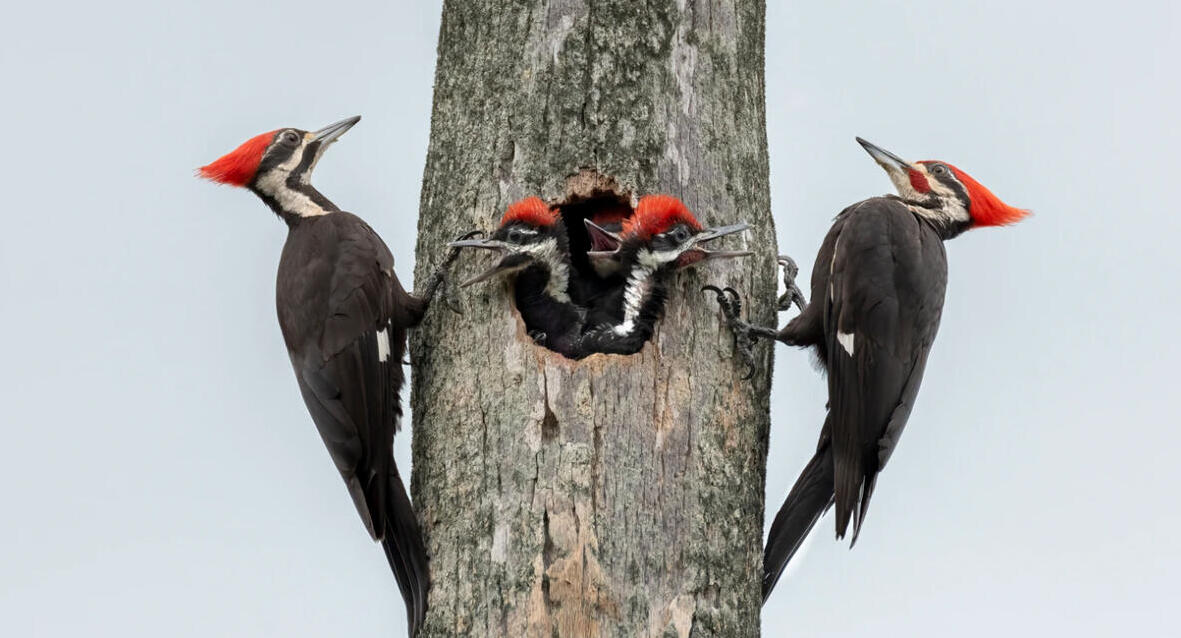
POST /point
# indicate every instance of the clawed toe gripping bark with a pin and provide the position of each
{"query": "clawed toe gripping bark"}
(743, 332)
(439, 278)
(792, 293)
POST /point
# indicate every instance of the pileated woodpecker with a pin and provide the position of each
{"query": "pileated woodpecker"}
(877, 296)
(344, 316)
(532, 239)
(661, 237)
(603, 253)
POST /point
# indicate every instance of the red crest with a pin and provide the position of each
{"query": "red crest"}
(531, 211)
(656, 214)
(238, 167)
(985, 208)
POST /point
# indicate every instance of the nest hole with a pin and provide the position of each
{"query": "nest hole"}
(607, 209)
(597, 286)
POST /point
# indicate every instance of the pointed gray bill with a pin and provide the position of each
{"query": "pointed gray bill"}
(886, 159)
(328, 134)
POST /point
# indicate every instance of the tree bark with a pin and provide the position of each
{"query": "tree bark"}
(618, 495)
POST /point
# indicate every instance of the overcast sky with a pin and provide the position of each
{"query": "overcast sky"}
(1034, 491)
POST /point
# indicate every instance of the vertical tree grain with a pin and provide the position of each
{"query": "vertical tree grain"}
(616, 496)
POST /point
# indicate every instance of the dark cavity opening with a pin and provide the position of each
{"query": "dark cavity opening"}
(605, 208)
(583, 325)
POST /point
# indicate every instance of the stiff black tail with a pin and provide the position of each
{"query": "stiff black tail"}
(807, 501)
(406, 553)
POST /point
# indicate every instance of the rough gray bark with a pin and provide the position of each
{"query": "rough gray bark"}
(616, 496)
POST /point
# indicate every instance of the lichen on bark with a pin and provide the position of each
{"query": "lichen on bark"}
(614, 496)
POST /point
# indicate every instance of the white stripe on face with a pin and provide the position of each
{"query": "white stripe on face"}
(274, 184)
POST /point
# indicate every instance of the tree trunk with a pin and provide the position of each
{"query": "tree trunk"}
(618, 495)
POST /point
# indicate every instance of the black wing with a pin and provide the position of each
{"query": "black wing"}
(350, 376)
(807, 328)
(886, 288)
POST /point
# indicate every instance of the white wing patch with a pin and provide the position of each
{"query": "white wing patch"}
(846, 341)
(383, 345)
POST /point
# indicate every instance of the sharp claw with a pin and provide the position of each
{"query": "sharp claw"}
(717, 291)
(454, 253)
(735, 301)
(452, 304)
(789, 265)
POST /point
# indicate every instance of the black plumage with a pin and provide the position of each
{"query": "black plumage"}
(344, 316)
(880, 276)
(878, 286)
(552, 318)
(535, 257)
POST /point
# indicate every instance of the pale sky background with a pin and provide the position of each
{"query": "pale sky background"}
(1035, 489)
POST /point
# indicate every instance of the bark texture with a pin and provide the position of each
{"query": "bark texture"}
(619, 495)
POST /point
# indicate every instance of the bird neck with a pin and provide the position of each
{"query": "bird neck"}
(643, 290)
(293, 199)
(946, 215)
(549, 276)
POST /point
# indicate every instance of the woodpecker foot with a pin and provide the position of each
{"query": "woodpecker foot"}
(439, 278)
(744, 333)
(454, 253)
(538, 337)
(792, 293)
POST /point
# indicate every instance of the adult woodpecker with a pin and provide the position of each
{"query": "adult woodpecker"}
(877, 296)
(661, 237)
(344, 315)
(534, 253)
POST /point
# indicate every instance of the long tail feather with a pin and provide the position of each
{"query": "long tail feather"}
(809, 498)
(406, 553)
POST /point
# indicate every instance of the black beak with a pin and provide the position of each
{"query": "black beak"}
(328, 134)
(884, 158)
(512, 260)
(710, 234)
(696, 253)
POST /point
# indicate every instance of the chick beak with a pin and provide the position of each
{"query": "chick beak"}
(511, 261)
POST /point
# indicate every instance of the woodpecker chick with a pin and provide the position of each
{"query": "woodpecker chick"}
(877, 295)
(531, 239)
(604, 246)
(344, 316)
(661, 237)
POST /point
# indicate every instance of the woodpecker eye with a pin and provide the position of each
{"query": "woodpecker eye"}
(290, 137)
(514, 236)
(939, 169)
(680, 234)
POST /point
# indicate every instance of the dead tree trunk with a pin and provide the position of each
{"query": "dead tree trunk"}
(619, 495)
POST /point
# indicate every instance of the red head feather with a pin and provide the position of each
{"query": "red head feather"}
(238, 167)
(985, 208)
(657, 213)
(531, 211)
